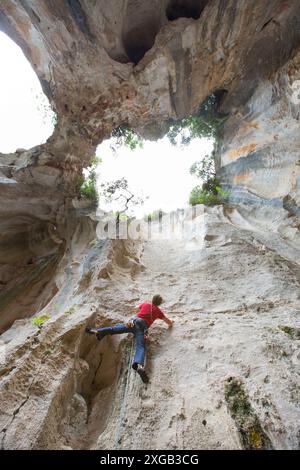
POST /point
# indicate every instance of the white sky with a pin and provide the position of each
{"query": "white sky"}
(159, 170)
(23, 123)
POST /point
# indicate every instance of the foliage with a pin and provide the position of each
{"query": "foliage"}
(88, 184)
(199, 195)
(205, 170)
(250, 431)
(40, 319)
(210, 193)
(118, 191)
(205, 123)
(294, 333)
(127, 136)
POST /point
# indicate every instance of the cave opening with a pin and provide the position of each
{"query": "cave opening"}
(142, 181)
(26, 117)
(185, 9)
(139, 40)
(140, 177)
(136, 177)
(140, 27)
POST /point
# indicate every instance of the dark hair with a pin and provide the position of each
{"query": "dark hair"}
(157, 300)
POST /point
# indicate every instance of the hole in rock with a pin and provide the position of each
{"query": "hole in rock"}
(26, 117)
(140, 27)
(136, 177)
(139, 40)
(185, 9)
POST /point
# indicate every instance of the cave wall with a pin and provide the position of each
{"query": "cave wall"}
(102, 64)
(81, 54)
(225, 377)
(259, 159)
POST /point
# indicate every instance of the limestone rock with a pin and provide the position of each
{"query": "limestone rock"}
(232, 284)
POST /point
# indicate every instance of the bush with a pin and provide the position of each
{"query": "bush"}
(200, 195)
(88, 188)
(88, 185)
(210, 193)
(40, 319)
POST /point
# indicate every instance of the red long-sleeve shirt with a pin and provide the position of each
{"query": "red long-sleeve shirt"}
(149, 313)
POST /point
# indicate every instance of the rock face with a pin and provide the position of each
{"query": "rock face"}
(232, 286)
(226, 376)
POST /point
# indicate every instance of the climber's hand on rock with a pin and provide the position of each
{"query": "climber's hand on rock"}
(168, 321)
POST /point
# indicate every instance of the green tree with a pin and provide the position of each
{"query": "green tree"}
(210, 193)
(88, 184)
(206, 171)
(205, 123)
(118, 192)
(126, 136)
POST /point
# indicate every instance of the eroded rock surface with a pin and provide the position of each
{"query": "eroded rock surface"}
(234, 300)
(234, 295)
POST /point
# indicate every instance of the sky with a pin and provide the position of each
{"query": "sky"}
(23, 121)
(159, 170)
(159, 173)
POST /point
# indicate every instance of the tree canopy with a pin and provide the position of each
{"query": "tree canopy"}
(205, 122)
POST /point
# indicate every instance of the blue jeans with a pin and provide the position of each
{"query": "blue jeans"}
(138, 330)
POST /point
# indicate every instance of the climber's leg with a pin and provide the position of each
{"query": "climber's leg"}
(118, 329)
(139, 356)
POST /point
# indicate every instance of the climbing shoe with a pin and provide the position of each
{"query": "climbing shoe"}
(93, 331)
(99, 335)
(142, 373)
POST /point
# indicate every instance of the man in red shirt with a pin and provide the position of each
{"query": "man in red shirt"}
(147, 313)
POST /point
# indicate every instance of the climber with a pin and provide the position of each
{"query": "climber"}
(138, 325)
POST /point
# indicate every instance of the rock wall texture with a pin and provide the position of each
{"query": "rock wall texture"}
(227, 375)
